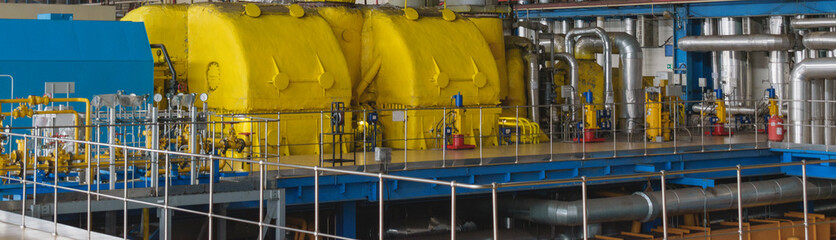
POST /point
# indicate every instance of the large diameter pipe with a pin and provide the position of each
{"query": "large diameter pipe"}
(574, 75)
(533, 83)
(809, 23)
(709, 28)
(647, 206)
(630, 53)
(732, 74)
(748, 43)
(570, 47)
(552, 41)
(778, 60)
(820, 40)
(800, 94)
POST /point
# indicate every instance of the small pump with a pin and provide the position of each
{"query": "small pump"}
(720, 120)
(457, 138)
(590, 123)
(775, 124)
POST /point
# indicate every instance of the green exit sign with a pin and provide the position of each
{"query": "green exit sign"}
(670, 66)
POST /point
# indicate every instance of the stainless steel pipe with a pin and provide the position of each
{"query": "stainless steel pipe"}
(800, 94)
(570, 48)
(643, 206)
(631, 108)
(729, 109)
(809, 23)
(748, 43)
(820, 40)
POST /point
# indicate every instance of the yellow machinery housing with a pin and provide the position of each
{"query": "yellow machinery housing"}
(246, 70)
(422, 59)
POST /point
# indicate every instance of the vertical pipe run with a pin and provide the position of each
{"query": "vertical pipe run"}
(630, 26)
(778, 60)
(731, 64)
(111, 137)
(533, 83)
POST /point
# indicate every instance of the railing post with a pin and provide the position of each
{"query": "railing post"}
(380, 205)
(316, 202)
(405, 135)
(453, 210)
(584, 209)
(517, 140)
(494, 210)
(443, 137)
(739, 203)
(481, 135)
(662, 176)
(804, 198)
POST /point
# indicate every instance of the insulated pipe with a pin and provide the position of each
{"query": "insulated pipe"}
(574, 79)
(729, 110)
(800, 77)
(820, 40)
(547, 40)
(816, 106)
(778, 60)
(732, 77)
(570, 48)
(630, 26)
(630, 52)
(809, 23)
(533, 80)
(709, 28)
(749, 43)
(643, 206)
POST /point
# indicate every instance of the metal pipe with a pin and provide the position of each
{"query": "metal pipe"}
(172, 88)
(552, 41)
(809, 23)
(730, 110)
(732, 75)
(630, 26)
(534, 83)
(710, 28)
(574, 75)
(751, 43)
(642, 206)
(778, 60)
(630, 53)
(570, 42)
(800, 92)
(820, 40)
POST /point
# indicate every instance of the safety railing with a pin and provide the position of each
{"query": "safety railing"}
(92, 195)
(134, 154)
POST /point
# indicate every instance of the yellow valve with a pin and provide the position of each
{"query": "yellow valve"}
(720, 111)
(252, 10)
(410, 13)
(591, 117)
(296, 10)
(773, 107)
(37, 100)
(448, 15)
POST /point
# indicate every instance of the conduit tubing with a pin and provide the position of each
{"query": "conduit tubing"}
(800, 94)
(570, 48)
(748, 43)
(643, 206)
(809, 23)
(820, 41)
(630, 52)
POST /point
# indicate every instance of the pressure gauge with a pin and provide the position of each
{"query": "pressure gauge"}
(158, 97)
(204, 97)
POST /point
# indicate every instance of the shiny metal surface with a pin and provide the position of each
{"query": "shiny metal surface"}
(573, 74)
(630, 26)
(778, 60)
(643, 206)
(730, 110)
(630, 53)
(754, 42)
(532, 60)
(732, 74)
(820, 40)
(547, 39)
(800, 94)
(570, 45)
(813, 23)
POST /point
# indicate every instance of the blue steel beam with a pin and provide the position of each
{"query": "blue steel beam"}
(696, 10)
(355, 188)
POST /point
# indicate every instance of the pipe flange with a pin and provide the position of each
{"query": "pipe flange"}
(649, 206)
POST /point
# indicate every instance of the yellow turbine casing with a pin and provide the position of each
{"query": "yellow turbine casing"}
(423, 63)
(274, 62)
(491, 29)
(346, 22)
(516, 83)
